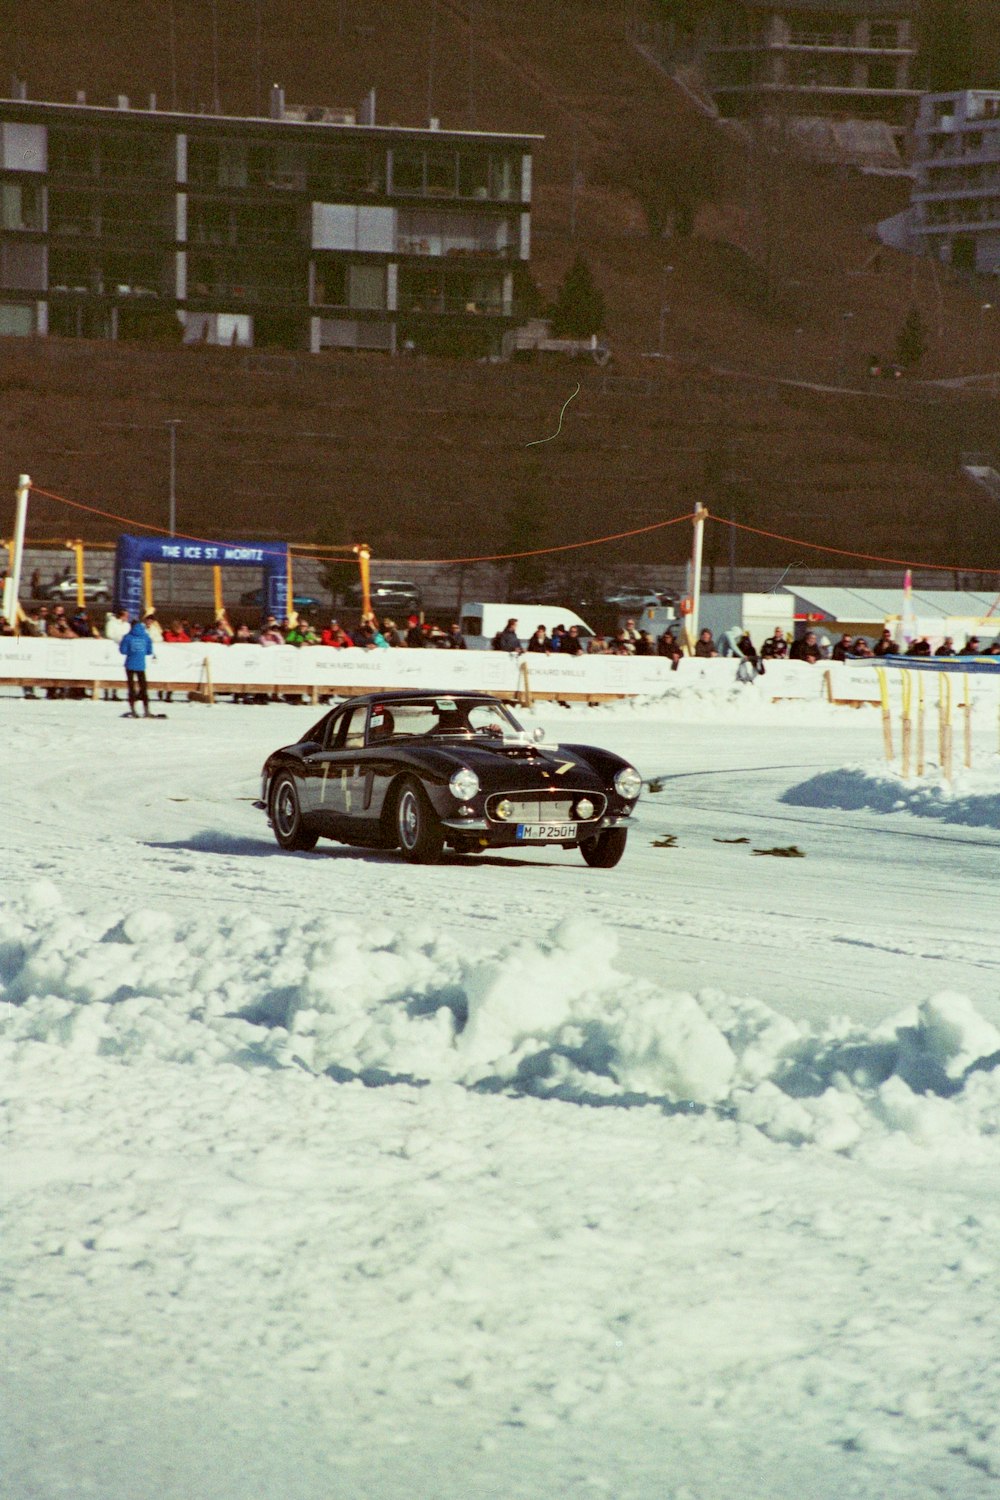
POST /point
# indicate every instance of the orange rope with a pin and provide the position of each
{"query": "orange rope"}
(597, 541)
(110, 515)
(865, 556)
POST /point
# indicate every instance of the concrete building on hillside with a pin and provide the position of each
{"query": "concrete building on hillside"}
(956, 195)
(306, 230)
(835, 74)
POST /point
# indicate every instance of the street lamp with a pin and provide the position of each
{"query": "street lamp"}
(844, 325)
(984, 309)
(664, 313)
(171, 423)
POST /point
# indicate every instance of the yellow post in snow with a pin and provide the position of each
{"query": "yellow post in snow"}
(883, 689)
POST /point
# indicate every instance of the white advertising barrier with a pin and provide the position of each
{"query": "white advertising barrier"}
(328, 670)
(858, 682)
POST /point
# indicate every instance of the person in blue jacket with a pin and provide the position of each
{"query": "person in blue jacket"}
(136, 646)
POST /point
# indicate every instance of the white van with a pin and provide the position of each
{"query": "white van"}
(481, 622)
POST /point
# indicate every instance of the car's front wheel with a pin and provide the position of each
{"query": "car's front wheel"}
(604, 850)
(286, 816)
(421, 837)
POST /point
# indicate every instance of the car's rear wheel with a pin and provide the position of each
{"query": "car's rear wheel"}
(286, 816)
(604, 850)
(420, 835)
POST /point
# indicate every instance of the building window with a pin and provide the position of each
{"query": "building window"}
(17, 319)
(882, 75)
(23, 266)
(349, 226)
(72, 153)
(366, 287)
(217, 163)
(21, 206)
(427, 233)
(22, 147)
(442, 174)
(129, 154)
(330, 289)
(884, 34)
(408, 172)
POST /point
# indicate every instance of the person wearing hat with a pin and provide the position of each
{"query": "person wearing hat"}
(414, 632)
(136, 647)
(971, 647)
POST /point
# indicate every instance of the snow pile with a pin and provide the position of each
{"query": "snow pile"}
(554, 1018)
(973, 798)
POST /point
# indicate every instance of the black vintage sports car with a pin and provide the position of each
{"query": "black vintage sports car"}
(418, 770)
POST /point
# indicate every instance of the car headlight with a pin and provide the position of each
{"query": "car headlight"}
(584, 808)
(628, 783)
(464, 784)
(504, 808)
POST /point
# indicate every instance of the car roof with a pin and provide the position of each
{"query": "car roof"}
(394, 695)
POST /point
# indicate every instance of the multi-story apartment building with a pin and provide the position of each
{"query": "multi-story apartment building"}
(841, 59)
(293, 230)
(956, 195)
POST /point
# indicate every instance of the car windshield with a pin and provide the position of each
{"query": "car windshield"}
(446, 716)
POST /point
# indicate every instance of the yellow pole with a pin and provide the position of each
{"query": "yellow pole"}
(920, 723)
(217, 589)
(77, 548)
(364, 565)
(883, 689)
(968, 720)
(907, 687)
(290, 612)
(147, 587)
(944, 725)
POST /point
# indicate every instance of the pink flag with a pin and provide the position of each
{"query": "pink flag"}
(907, 622)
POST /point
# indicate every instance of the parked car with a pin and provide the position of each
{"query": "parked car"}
(254, 599)
(96, 589)
(419, 770)
(639, 598)
(388, 595)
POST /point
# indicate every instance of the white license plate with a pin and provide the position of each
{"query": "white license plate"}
(546, 830)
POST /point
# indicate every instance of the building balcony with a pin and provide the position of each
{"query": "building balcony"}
(134, 233)
(822, 47)
(245, 294)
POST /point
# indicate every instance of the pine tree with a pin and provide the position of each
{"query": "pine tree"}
(578, 310)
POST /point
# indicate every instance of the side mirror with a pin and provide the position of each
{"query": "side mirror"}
(538, 735)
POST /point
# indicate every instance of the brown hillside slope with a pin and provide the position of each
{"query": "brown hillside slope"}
(425, 458)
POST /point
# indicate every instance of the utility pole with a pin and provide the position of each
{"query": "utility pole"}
(172, 499)
(173, 55)
(472, 64)
(431, 48)
(216, 106)
(700, 514)
(575, 181)
(12, 583)
(258, 58)
(842, 368)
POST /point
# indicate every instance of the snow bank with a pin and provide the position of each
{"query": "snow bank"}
(973, 798)
(555, 1018)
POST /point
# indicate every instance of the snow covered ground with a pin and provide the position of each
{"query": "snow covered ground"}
(327, 1177)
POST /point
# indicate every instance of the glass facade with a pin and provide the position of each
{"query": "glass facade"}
(121, 221)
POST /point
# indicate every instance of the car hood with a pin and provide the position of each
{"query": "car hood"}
(516, 766)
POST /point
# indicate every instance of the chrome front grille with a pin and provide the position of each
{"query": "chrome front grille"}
(529, 807)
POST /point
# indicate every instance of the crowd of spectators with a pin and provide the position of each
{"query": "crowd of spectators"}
(57, 622)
